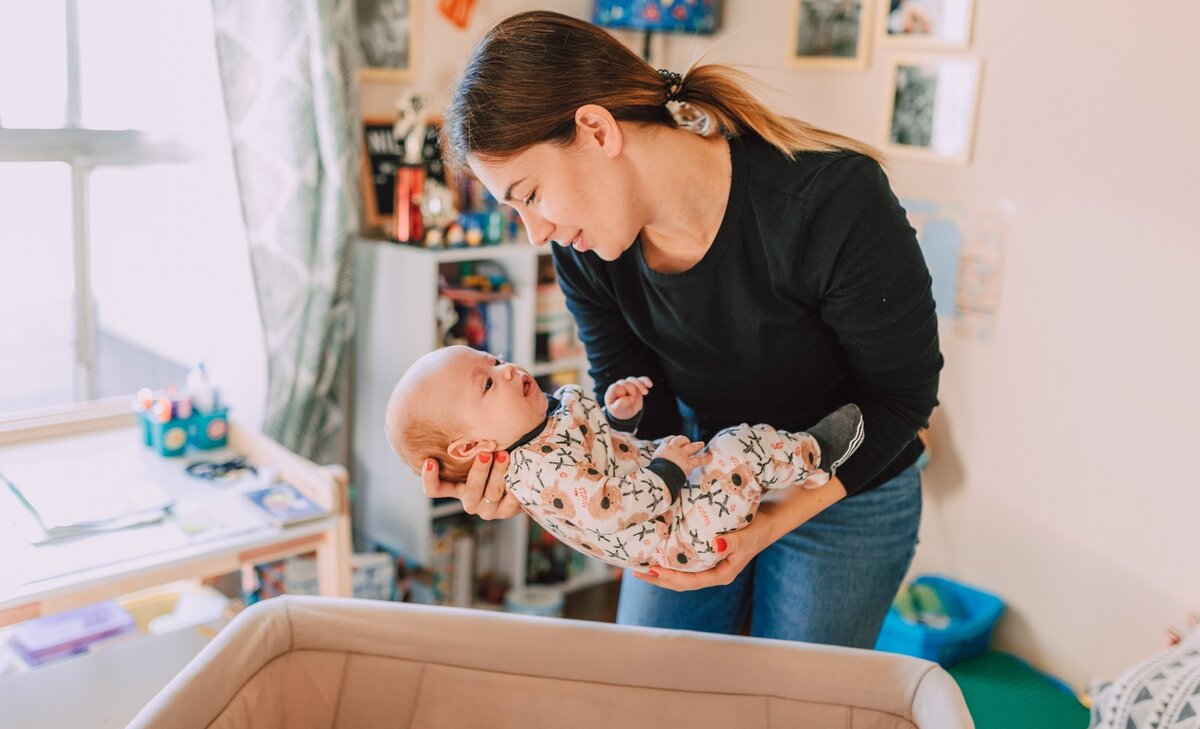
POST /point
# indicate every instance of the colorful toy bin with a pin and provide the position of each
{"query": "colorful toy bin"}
(172, 434)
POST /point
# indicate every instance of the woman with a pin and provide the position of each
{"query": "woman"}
(756, 268)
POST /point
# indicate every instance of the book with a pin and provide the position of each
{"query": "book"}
(283, 504)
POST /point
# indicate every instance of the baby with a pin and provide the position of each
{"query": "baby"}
(580, 473)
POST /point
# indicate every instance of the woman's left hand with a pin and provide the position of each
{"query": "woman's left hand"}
(740, 546)
(775, 517)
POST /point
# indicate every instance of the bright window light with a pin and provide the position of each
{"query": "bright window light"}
(144, 74)
(169, 280)
(33, 56)
(37, 286)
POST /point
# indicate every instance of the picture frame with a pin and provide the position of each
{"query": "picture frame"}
(388, 38)
(931, 113)
(831, 34)
(381, 161)
(926, 24)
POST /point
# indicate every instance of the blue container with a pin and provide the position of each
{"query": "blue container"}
(963, 638)
(169, 438)
(209, 430)
(202, 431)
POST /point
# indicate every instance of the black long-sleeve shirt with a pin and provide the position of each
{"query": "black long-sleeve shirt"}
(813, 294)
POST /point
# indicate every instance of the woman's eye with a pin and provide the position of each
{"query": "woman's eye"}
(487, 385)
(532, 197)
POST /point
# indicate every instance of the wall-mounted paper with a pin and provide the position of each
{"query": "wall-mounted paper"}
(964, 252)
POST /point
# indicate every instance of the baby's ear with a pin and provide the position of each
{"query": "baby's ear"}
(465, 449)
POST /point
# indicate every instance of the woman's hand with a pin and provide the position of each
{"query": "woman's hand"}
(775, 518)
(624, 397)
(483, 493)
(740, 546)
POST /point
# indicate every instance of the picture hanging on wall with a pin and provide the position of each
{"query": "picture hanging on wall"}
(927, 24)
(387, 36)
(381, 160)
(831, 34)
(932, 111)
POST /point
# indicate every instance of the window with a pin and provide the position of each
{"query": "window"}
(123, 259)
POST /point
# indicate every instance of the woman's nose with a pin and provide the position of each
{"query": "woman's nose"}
(539, 229)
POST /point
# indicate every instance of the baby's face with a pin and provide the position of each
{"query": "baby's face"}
(495, 400)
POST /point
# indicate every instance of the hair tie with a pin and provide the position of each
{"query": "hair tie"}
(673, 83)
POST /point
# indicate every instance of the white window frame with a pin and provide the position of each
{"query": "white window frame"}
(83, 150)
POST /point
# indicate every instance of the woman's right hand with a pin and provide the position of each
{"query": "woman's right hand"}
(483, 493)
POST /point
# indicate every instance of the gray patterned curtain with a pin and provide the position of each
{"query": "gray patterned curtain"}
(287, 68)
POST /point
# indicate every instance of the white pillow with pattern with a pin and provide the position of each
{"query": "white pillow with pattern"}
(1161, 692)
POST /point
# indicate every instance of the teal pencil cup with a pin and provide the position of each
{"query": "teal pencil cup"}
(209, 430)
(169, 438)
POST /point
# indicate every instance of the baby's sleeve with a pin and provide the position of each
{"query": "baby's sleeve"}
(628, 425)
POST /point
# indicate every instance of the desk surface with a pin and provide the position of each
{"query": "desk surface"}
(220, 522)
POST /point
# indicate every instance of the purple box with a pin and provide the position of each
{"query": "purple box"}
(64, 634)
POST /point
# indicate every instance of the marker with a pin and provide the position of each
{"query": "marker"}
(162, 409)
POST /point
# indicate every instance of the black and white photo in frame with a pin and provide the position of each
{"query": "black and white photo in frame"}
(932, 111)
(830, 34)
(386, 32)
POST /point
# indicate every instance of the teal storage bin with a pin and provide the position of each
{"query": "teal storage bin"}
(965, 637)
(202, 431)
(209, 430)
(169, 438)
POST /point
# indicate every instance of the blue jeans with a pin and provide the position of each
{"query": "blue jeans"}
(830, 580)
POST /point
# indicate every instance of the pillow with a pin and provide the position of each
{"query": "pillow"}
(1162, 692)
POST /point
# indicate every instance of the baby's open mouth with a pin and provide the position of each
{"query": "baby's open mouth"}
(526, 386)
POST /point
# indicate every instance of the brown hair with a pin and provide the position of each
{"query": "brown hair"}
(415, 436)
(525, 79)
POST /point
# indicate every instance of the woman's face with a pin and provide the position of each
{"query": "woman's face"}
(576, 195)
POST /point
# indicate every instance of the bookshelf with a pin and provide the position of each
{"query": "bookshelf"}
(396, 291)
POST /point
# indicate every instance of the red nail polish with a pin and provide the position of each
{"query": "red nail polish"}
(428, 464)
(501, 457)
(485, 457)
(652, 573)
(720, 544)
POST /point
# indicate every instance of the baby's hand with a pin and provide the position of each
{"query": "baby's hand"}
(624, 397)
(682, 452)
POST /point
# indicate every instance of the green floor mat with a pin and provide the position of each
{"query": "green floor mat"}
(1003, 692)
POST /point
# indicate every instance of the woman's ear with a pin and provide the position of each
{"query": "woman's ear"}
(594, 122)
(464, 449)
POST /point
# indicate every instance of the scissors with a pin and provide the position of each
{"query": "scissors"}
(213, 470)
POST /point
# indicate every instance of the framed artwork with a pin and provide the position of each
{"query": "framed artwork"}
(664, 16)
(381, 160)
(926, 24)
(830, 34)
(932, 111)
(387, 36)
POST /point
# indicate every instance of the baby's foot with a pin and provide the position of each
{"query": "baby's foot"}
(839, 434)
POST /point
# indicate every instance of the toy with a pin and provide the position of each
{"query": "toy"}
(447, 318)
(409, 129)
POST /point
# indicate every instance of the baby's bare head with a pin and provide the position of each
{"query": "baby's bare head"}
(419, 418)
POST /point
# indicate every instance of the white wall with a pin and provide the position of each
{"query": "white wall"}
(1061, 476)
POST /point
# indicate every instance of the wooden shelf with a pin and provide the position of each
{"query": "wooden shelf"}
(396, 293)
